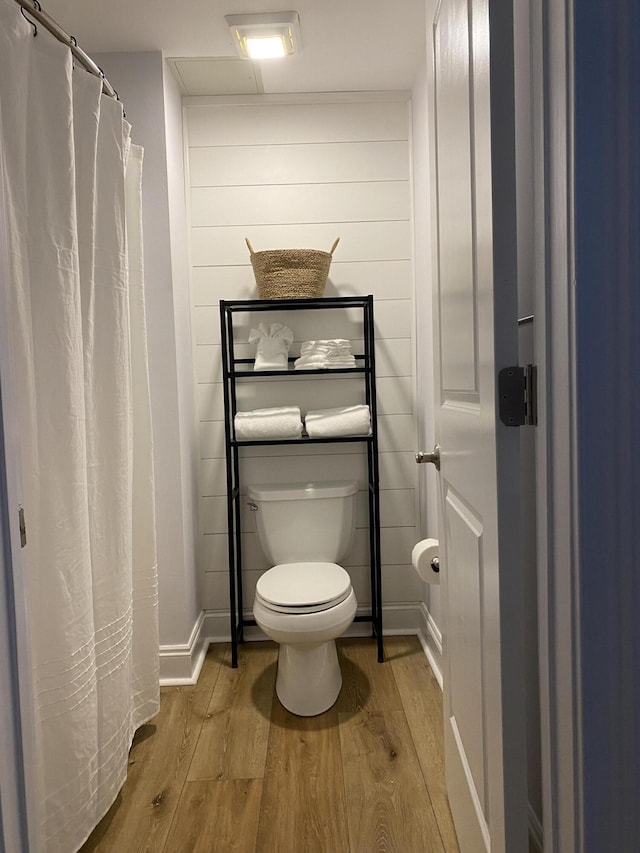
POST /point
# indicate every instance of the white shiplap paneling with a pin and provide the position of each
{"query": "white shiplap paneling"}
(400, 584)
(397, 508)
(395, 433)
(302, 203)
(285, 124)
(359, 241)
(393, 319)
(324, 163)
(300, 175)
(384, 279)
(393, 358)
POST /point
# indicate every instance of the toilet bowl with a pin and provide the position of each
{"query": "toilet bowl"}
(306, 600)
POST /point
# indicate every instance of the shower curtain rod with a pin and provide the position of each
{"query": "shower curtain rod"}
(34, 10)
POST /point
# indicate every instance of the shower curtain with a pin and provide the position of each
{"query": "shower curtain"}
(73, 188)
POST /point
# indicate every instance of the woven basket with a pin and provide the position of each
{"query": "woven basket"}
(290, 273)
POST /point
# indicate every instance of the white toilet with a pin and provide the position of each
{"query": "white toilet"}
(305, 601)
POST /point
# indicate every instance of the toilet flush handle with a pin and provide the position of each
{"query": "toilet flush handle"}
(253, 507)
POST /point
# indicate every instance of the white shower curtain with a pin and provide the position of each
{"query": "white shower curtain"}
(73, 189)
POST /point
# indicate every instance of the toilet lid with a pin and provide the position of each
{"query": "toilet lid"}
(304, 585)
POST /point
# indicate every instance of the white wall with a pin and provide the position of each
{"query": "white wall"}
(154, 112)
(187, 422)
(299, 172)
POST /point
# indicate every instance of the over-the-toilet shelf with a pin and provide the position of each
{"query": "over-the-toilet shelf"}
(354, 423)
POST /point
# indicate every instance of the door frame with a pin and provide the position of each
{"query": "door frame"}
(556, 434)
(18, 823)
(13, 822)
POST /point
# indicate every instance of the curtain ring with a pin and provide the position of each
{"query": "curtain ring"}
(73, 42)
(119, 99)
(29, 21)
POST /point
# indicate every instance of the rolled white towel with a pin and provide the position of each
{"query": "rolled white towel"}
(281, 422)
(348, 420)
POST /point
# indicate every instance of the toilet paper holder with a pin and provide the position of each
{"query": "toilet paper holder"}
(425, 559)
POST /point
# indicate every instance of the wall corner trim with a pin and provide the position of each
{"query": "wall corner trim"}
(180, 664)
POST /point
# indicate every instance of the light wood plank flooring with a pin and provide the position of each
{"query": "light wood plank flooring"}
(224, 767)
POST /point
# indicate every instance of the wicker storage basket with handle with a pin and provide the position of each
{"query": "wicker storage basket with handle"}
(290, 273)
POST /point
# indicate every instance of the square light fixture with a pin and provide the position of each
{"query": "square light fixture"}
(265, 36)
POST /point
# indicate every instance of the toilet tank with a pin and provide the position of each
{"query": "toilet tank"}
(305, 522)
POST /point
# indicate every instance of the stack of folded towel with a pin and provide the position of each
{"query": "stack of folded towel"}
(282, 422)
(272, 352)
(320, 354)
(348, 420)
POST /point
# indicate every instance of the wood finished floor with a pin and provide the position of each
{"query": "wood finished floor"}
(223, 767)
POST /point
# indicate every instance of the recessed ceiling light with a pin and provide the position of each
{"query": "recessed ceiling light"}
(267, 35)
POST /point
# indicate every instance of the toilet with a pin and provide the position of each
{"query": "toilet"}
(305, 601)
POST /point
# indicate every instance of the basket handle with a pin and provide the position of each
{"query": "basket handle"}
(333, 248)
(249, 246)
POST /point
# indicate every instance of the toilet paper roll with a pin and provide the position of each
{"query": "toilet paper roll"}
(421, 557)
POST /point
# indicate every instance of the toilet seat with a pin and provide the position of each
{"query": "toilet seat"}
(300, 588)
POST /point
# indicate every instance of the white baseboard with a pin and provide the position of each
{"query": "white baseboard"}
(396, 619)
(431, 640)
(181, 664)
(217, 627)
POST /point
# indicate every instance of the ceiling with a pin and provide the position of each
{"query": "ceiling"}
(348, 45)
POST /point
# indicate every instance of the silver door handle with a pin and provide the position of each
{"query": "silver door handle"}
(434, 457)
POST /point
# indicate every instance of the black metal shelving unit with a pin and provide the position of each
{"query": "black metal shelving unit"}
(237, 369)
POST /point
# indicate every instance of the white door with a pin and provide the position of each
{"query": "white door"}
(475, 304)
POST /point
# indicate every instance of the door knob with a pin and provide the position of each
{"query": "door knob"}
(433, 457)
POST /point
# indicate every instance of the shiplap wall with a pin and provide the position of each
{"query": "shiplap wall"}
(298, 175)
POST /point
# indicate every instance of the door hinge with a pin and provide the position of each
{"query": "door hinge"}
(517, 391)
(23, 527)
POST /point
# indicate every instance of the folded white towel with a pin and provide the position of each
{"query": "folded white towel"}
(273, 346)
(315, 362)
(337, 346)
(325, 350)
(334, 354)
(281, 422)
(348, 420)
